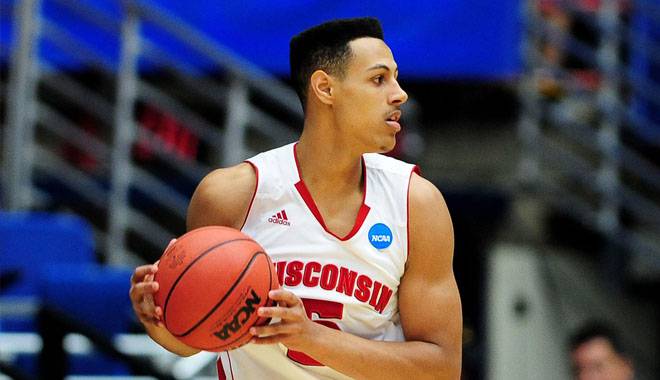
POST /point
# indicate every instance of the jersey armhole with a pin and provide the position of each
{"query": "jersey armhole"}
(417, 170)
(256, 187)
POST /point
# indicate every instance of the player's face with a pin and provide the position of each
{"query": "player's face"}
(369, 96)
(597, 360)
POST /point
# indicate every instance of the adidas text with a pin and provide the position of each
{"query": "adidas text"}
(279, 221)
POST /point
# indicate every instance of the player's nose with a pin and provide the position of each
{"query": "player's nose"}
(398, 96)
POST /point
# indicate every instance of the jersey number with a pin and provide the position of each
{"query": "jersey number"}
(323, 309)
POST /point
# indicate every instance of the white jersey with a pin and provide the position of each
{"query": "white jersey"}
(349, 283)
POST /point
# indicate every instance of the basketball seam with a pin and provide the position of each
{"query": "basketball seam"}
(270, 282)
(169, 294)
(227, 294)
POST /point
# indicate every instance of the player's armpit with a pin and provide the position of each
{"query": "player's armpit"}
(223, 198)
(429, 301)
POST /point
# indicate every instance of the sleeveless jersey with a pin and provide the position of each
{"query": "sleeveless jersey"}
(349, 283)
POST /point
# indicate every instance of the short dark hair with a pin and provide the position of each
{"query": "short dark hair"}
(325, 47)
(595, 329)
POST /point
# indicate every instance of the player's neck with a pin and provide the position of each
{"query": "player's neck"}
(328, 162)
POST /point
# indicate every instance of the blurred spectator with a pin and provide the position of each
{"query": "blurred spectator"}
(572, 27)
(597, 354)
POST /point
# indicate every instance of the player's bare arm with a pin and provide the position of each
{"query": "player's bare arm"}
(429, 306)
(222, 198)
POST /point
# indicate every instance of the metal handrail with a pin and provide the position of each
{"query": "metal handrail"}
(263, 122)
(189, 169)
(66, 130)
(641, 206)
(110, 185)
(88, 188)
(634, 120)
(588, 177)
(92, 15)
(576, 47)
(197, 124)
(154, 233)
(159, 56)
(632, 161)
(641, 167)
(160, 192)
(569, 163)
(582, 172)
(210, 90)
(77, 49)
(240, 68)
(83, 97)
(578, 171)
(641, 244)
(627, 73)
(567, 201)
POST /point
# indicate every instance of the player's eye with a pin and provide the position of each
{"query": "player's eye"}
(379, 79)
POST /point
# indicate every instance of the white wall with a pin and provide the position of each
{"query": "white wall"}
(525, 338)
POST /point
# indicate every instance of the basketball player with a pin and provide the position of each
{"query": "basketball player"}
(362, 244)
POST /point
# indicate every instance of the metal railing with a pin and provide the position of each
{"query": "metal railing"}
(587, 148)
(72, 133)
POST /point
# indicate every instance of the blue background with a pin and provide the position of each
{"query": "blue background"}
(429, 38)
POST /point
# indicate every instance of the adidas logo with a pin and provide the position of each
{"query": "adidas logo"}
(280, 218)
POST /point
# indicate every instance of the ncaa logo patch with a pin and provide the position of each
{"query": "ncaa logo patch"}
(380, 236)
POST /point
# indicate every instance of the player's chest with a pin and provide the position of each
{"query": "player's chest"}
(376, 244)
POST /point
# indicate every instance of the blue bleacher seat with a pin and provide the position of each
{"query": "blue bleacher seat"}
(95, 296)
(49, 259)
(32, 241)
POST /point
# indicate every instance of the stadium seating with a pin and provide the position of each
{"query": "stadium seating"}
(47, 261)
(28, 243)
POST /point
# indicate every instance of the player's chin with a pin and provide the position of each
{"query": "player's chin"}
(380, 142)
(386, 146)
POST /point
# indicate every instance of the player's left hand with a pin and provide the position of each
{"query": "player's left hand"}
(295, 330)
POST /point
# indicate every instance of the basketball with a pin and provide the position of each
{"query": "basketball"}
(212, 281)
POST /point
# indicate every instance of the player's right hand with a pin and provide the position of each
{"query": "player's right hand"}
(142, 292)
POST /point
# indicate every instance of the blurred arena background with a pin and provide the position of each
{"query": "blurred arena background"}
(539, 120)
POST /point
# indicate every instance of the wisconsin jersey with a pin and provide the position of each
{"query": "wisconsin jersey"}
(347, 282)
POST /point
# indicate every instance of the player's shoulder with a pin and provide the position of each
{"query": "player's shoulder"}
(238, 175)
(223, 197)
(423, 190)
(425, 198)
(430, 225)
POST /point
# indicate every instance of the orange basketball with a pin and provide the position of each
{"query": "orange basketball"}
(212, 281)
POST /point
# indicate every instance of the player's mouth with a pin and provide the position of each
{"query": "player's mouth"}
(393, 120)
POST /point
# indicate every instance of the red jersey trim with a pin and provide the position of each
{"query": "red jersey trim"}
(309, 201)
(220, 369)
(417, 170)
(254, 195)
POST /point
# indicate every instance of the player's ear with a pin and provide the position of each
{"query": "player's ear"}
(321, 84)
